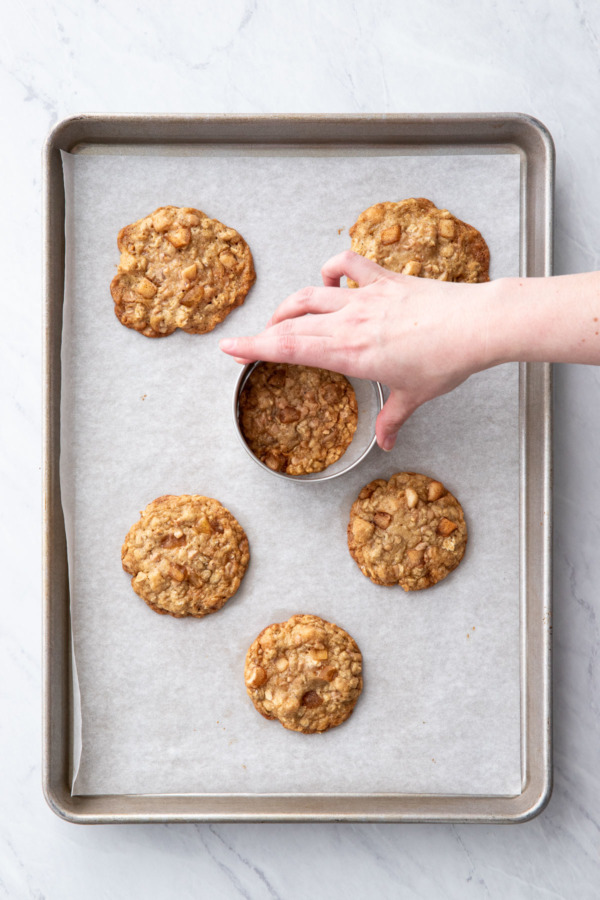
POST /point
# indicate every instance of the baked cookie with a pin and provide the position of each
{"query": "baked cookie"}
(187, 555)
(409, 531)
(179, 269)
(297, 419)
(306, 672)
(414, 237)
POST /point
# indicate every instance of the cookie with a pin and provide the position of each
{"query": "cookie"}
(409, 531)
(179, 269)
(414, 237)
(187, 555)
(297, 419)
(306, 672)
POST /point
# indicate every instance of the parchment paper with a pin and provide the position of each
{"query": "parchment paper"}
(163, 702)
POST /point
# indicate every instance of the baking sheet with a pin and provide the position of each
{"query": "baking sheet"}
(163, 704)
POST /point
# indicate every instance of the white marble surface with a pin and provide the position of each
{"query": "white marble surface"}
(64, 56)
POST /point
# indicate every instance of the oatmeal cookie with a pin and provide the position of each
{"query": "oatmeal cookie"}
(306, 672)
(187, 555)
(179, 269)
(414, 237)
(409, 531)
(297, 419)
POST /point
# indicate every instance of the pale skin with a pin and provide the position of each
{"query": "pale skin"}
(421, 337)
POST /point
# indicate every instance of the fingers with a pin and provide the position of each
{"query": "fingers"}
(273, 345)
(363, 271)
(395, 412)
(279, 339)
(309, 300)
(301, 330)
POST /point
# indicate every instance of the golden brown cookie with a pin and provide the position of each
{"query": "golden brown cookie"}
(306, 672)
(187, 555)
(414, 237)
(409, 531)
(179, 269)
(297, 419)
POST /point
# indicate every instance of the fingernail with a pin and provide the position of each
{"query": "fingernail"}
(388, 443)
(227, 344)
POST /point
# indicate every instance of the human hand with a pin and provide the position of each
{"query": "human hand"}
(420, 337)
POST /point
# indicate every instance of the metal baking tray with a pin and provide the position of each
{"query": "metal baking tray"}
(415, 134)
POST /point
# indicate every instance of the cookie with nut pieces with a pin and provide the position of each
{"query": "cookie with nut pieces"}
(297, 419)
(305, 672)
(180, 269)
(414, 237)
(186, 556)
(409, 531)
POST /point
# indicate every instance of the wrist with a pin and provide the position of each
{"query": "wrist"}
(530, 320)
(502, 311)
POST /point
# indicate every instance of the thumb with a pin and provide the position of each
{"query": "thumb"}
(395, 412)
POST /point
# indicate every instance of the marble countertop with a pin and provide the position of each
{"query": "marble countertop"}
(261, 56)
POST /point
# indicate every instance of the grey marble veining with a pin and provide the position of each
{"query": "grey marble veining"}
(540, 57)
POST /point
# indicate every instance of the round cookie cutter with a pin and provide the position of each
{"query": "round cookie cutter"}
(369, 398)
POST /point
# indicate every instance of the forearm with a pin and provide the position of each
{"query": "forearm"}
(540, 320)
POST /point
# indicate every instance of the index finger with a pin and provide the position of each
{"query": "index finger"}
(272, 345)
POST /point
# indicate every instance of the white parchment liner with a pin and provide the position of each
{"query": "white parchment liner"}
(162, 701)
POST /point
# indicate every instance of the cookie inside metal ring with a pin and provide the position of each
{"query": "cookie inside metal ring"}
(297, 419)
